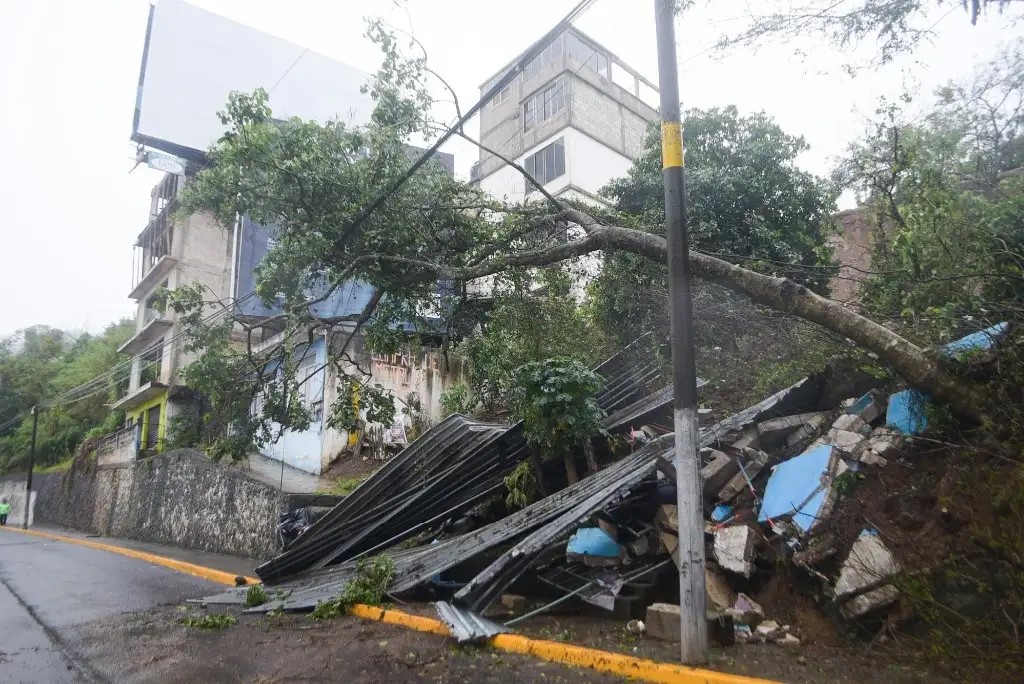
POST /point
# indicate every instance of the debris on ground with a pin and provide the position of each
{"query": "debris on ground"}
(774, 475)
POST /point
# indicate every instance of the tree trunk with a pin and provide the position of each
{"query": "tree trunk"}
(570, 468)
(538, 472)
(588, 451)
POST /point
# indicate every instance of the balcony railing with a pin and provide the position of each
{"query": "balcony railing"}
(119, 447)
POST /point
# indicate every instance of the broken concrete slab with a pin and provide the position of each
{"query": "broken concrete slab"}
(871, 458)
(754, 462)
(870, 601)
(719, 593)
(768, 630)
(906, 412)
(849, 422)
(869, 564)
(788, 640)
(745, 611)
(716, 474)
(734, 549)
(850, 443)
(869, 407)
(798, 488)
(787, 424)
(811, 429)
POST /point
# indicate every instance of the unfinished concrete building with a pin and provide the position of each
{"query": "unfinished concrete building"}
(575, 119)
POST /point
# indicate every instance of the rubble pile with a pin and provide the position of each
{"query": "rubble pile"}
(773, 475)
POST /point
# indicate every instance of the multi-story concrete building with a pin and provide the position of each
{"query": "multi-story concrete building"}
(575, 119)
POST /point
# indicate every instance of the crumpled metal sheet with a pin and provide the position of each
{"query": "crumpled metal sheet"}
(483, 589)
(468, 627)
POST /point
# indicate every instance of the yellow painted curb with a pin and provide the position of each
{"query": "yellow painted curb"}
(218, 576)
(566, 654)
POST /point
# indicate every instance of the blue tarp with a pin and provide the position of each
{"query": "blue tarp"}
(906, 412)
(593, 541)
(798, 487)
(983, 340)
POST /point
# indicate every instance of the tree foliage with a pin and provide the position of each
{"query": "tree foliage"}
(747, 201)
(947, 217)
(40, 363)
(895, 27)
(557, 402)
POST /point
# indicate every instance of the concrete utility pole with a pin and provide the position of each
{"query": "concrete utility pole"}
(31, 466)
(693, 628)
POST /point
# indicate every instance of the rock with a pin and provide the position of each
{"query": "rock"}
(514, 602)
(767, 629)
(734, 549)
(870, 601)
(869, 564)
(788, 640)
(410, 658)
(802, 660)
(849, 423)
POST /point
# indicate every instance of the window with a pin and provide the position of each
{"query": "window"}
(505, 94)
(550, 55)
(548, 163)
(587, 56)
(543, 105)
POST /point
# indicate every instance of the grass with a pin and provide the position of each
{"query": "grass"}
(209, 622)
(58, 467)
(255, 596)
(343, 486)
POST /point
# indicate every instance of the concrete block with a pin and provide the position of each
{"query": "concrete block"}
(869, 564)
(869, 407)
(768, 630)
(719, 593)
(734, 549)
(786, 424)
(514, 602)
(850, 443)
(871, 458)
(870, 601)
(753, 464)
(811, 429)
(720, 469)
(746, 611)
(662, 622)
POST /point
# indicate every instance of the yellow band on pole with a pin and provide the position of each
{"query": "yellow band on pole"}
(671, 144)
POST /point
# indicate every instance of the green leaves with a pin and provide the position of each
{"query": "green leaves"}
(556, 399)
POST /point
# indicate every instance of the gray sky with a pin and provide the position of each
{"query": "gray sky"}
(71, 69)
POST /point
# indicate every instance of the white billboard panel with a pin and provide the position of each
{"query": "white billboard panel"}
(193, 59)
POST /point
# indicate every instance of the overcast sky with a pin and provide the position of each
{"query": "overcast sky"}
(70, 71)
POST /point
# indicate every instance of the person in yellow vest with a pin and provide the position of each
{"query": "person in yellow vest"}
(5, 510)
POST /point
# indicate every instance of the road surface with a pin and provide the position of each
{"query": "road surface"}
(49, 589)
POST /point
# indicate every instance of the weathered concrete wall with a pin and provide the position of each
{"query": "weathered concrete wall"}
(179, 498)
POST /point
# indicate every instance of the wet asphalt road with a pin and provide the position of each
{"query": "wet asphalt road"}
(47, 588)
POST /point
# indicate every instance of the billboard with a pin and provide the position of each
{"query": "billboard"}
(193, 59)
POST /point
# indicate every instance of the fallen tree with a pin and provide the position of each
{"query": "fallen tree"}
(344, 209)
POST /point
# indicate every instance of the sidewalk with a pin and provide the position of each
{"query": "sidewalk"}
(235, 565)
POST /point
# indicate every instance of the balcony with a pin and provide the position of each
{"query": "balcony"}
(146, 393)
(153, 330)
